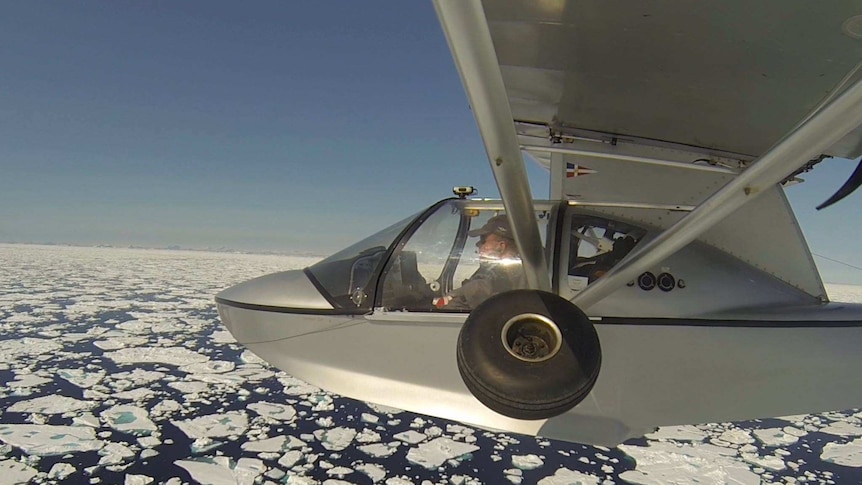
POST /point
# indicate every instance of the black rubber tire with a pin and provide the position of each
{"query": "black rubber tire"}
(517, 388)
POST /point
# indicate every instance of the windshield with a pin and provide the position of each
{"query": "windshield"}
(345, 274)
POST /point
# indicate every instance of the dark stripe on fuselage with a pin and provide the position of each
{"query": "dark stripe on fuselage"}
(280, 309)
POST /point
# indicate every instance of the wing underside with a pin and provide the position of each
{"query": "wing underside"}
(731, 77)
(721, 84)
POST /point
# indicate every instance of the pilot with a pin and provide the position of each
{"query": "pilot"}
(499, 267)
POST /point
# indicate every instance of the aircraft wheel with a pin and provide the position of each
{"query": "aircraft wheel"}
(528, 354)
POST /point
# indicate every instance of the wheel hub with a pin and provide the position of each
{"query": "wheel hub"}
(531, 337)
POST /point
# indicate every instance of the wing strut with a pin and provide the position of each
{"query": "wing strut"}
(466, 30)
(803, 143)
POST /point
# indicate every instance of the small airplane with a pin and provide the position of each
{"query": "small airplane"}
(665, 282)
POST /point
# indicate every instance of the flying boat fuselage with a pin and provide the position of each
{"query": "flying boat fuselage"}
(701, 337)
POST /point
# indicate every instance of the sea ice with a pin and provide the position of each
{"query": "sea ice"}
(335, 439)
(778, 436)
(14, 348)
(769, 462)
(274, 411)
(379, 450)
(51, 405)
(527, 462)
(667, 462)
(265, 445)
(372, 471)
(843, 428)
(296, 387)
(849, 454)
(129, 419)
(12, 472)
(339, 471)
(177, 356)
(46, 440)
(736, 436)
(367, 436)
(678, 433)
(214, 425)
(210, 367)
(121, 342)
(222, 337)
(229, 379)
(564, 476)
(399, 480)
(369, 418)
(137, 480)
(514, 475)
(60, 471)
(189, 387)
(434, 453)
(249, 357)
(137, 377)
(115, 453)
(411, 437)
(221, 471)
(139, 394)
(165, 408)
(381, 409)
(27, 380)
(290, 458)
(81, 378)
(149, 441)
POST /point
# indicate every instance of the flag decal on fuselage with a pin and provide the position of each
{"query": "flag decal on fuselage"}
(573, 170)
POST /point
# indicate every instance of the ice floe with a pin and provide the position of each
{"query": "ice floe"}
(221, 470)
(527, 462)
(214, 425)
(12, 349)
(847, 454)
(177, 356)
(410, 436)
(436, 452)
(81, 378)
(129, 419)
(564, 476)
(335, 439)
(47, 440)
(666, 463)
(778, 436)
(12, 472)
(274, 411)
(51, 405)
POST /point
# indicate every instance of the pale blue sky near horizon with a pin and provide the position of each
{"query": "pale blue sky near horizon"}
(257, 126)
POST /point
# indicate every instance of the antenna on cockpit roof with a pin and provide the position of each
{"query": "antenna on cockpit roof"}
(464, 191)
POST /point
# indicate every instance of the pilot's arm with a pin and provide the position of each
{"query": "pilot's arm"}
(472, 292)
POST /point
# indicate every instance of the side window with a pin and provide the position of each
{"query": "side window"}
(489, 263)
(461, 255)
(470, 259)
(413, 276)
(596, 245)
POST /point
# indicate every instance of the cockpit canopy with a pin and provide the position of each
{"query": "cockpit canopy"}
(434, 261)
(420, 262)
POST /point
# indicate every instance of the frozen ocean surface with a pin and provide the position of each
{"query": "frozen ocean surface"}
(116, 370)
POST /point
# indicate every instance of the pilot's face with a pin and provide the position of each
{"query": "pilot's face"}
(491, 246)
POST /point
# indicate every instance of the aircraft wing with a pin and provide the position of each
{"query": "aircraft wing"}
(728, 77)
(714, 86)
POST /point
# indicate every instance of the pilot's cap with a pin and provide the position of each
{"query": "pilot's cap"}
(498, 225)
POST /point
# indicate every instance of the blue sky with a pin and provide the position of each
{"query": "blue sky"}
(256, 126)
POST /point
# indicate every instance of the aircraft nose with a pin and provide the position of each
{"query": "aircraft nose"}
(286, 291)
